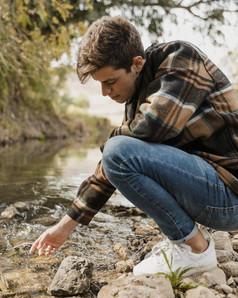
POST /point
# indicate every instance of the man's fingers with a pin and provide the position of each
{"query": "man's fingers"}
(41, 247)
(34, 246)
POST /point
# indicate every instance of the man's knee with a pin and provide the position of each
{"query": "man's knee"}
(115, 150)
(114, 147)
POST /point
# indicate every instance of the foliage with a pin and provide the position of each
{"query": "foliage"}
(208, 16)
(34, 32)
(26, 53)
(176, 276)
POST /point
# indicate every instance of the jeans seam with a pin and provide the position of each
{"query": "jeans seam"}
(186, 173)
(214, 185)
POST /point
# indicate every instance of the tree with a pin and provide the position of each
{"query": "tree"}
(33, 32)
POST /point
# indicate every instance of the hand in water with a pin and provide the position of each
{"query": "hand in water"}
(54, 237)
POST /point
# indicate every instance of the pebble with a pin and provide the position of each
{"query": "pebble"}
(10, 212)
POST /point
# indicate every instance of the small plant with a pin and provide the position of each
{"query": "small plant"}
(176, 276)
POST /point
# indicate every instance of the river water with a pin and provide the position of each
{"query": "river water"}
(46, 176)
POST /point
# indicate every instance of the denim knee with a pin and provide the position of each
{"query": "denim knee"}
(113, 152)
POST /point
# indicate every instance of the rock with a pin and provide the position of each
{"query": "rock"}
(200, 292)
(137, 212)
(231, 296)
(225, 256)
(230, 281)
(103, 217)
(46, 221)
(226, 289)
(124, 266)
(72, 278)
(146, 230)
(149, 245)
(137, 287)
(234, 244)
(212, 278)
(222, 240)
(230, 268)
(21, 206)
(235, 234)
(236, 280)
(121, 250)
(3, 244)
(10, 212)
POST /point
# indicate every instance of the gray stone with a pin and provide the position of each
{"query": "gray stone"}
(222, 240)
(3, 244)
(72, 278)
(124, 266)
(200, 292)
(146, 230)
(122, 251)
(137, 287)
(230, 268)
(212, 278)
(226, 256)
(226, 289)
(21, 206)
(230, 281)
(10, 212)
(234, 243)
(45, 221)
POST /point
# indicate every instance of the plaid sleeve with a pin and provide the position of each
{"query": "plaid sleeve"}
(92, 195)
(180, 86)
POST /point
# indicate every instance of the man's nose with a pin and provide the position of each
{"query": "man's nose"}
(106, 90)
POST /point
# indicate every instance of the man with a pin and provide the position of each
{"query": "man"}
(176, 154)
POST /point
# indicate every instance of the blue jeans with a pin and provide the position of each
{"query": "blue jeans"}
(173, 187)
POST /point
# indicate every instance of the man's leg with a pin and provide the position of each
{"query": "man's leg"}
(171, 186)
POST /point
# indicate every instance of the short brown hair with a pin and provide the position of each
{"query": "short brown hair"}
(109, 41)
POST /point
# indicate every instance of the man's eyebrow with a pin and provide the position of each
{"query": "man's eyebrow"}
(108, 80)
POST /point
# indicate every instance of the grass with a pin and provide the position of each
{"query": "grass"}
(176, 278)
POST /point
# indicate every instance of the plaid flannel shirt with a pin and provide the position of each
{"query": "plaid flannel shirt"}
(183, 100)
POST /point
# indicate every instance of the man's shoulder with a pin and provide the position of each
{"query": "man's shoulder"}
(173, 46)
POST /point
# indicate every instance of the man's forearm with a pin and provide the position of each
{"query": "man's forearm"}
(67, 223)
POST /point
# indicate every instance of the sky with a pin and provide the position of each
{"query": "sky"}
(184, 31)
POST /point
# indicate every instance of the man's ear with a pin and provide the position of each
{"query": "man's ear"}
(138, 63)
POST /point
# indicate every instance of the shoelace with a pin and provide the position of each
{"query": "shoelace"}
(169, 248)
(164, 244)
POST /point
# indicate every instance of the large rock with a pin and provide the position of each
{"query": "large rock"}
(230, 268)
(222, 240)
(137, 287)
(213, 277)
(226, 255)
(72, 278)
(10, 212)
(201, 292)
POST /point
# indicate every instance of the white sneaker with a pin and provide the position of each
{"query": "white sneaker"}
(181, 255)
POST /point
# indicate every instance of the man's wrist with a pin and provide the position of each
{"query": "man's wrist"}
(67, 223)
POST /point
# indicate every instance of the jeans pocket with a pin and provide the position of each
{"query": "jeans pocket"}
(219, 218)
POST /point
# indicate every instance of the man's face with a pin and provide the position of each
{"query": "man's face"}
(118, 84)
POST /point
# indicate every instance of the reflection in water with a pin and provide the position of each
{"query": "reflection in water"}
(52, 170)
(47, 176)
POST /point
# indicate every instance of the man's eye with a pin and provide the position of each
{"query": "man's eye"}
(111, 83)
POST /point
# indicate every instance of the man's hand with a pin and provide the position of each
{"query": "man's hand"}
(54, 237)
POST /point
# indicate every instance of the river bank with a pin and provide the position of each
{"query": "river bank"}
(20, 123)
(39, 180)
(117, 238)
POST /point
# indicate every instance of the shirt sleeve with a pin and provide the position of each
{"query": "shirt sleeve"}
(180, 86)
(93, 193)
